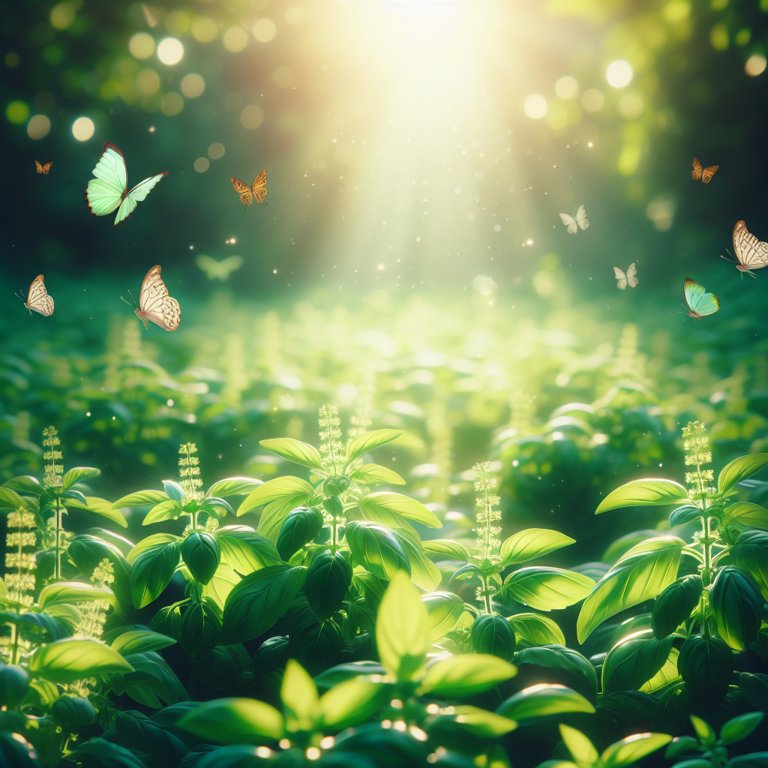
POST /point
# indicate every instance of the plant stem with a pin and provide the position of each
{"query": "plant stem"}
(57, 541)
(486, 592)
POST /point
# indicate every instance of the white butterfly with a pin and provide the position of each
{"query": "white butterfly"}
(574, 223)
(38, 299)
(751, 253)
(623, 278)
(155, 304)
(219, 270)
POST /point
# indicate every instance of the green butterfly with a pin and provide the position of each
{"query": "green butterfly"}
(109, 190)
(700, 303)
(219, 270)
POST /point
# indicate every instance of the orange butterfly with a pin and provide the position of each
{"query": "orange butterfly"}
(700, 173)
(257, 191)
(43, 168)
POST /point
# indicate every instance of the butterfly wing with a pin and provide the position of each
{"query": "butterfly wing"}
(697, 169)
(155, 304)
(570, 223)
(38, 298)
(105, 192)
(260, 187)
(38, 167)
(621, 278)
(242, 189)
(708, 173)
(699, 301)
(750, 252)
(43, 168)
(136, 195)
(632, 275)
(581, 218)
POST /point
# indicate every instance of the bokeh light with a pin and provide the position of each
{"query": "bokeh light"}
(193, 85)
(619, 73)
(252, 117)
(535, 106)
(171, 104)
(631, 105)
(755, 65)
(178, 22)
(141, 45)
(83, 128)
(17, 112)
(62, 15)
(718, 37)
(235, 39)
(201, 164)
(264, 30)
(567, 87)
(204, 29)
(170, 51)
(592, 100)
(147, 82)
(38, 127)
(216, 150)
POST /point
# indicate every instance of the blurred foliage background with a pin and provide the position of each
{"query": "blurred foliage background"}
(408, 142)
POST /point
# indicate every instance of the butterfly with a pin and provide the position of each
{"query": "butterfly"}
(43, 168)
(38, 299)
(700, 303)
(257, 191)
(628, 277)
(751, 253)
(700, 173)
(219, 270)
(155, 304)
(109, 190)
(574, 223)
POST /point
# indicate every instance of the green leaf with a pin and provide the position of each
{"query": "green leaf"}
(424, 573)
(298, 694)
(170, 509)
(292, 491)
(738, 728)
(141, 499)
(675, 603)
(737, 607)
(445, 611)
(372, 474)
(547, 589)
(466, 675)
(233, 486)
(571, 667)
(542, 700)
(535, 629)
(259, 600)
(532, 543)
(100, 507)
(245, 550)
(632, 749)
(366, 442)
(65, 592)
(376, 548)
(634, 660)
(747, 514)
(465, 720)
(740, 469)
(294, 450)
(151, 572)
(78, 475)
(640, 574)
(234, 721)
(750, 554)
(667, 675)
(10, 499)
(352, 702)
(704, 731)
(65, 661)
(402, 629)
(403, 506)
(706, 665)
(445, 549)
(649, 492)
(581, 748)
(141, 640)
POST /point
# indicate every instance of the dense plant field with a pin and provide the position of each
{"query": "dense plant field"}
(308, 543)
